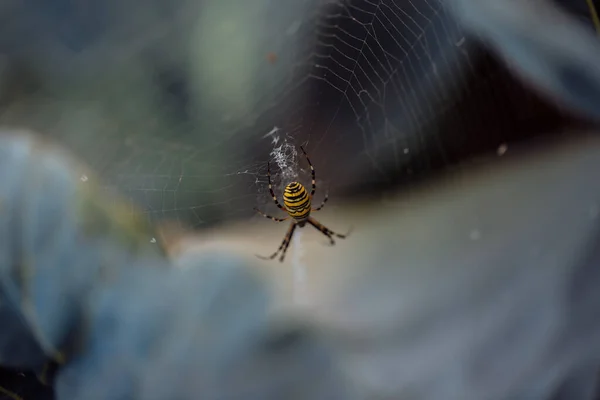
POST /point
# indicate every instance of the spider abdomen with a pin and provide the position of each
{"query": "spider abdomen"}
(297, 201)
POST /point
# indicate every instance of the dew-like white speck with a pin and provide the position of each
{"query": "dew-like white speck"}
(153, 240)
(83, 178)
(406, 150)
(475, 234)
(271, 132)
(502, 149)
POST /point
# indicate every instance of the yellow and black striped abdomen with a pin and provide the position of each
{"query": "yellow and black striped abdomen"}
(297, 201)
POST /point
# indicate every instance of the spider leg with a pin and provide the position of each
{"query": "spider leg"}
(289, 240)
(271, 187)
(284, 245)
(322, 203)
(312, 171)
(331, 241)
(326, 231)
(268, 216)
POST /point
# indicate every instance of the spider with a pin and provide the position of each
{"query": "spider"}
(298, 206)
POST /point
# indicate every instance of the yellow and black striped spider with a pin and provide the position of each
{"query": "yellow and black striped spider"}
(298, 206)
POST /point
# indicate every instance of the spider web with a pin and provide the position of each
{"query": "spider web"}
(361, 79)
(362, 84)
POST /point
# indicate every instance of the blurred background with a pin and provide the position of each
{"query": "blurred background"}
(178, 105)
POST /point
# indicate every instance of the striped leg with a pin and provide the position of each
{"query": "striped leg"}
(322, 204)
(284, 245)
(288, 240)
(271, 218)
(312, 171)
(271, 187)
(331, 241)
(325, 231)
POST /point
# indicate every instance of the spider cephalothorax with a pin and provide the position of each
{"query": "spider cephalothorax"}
(298, 203)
